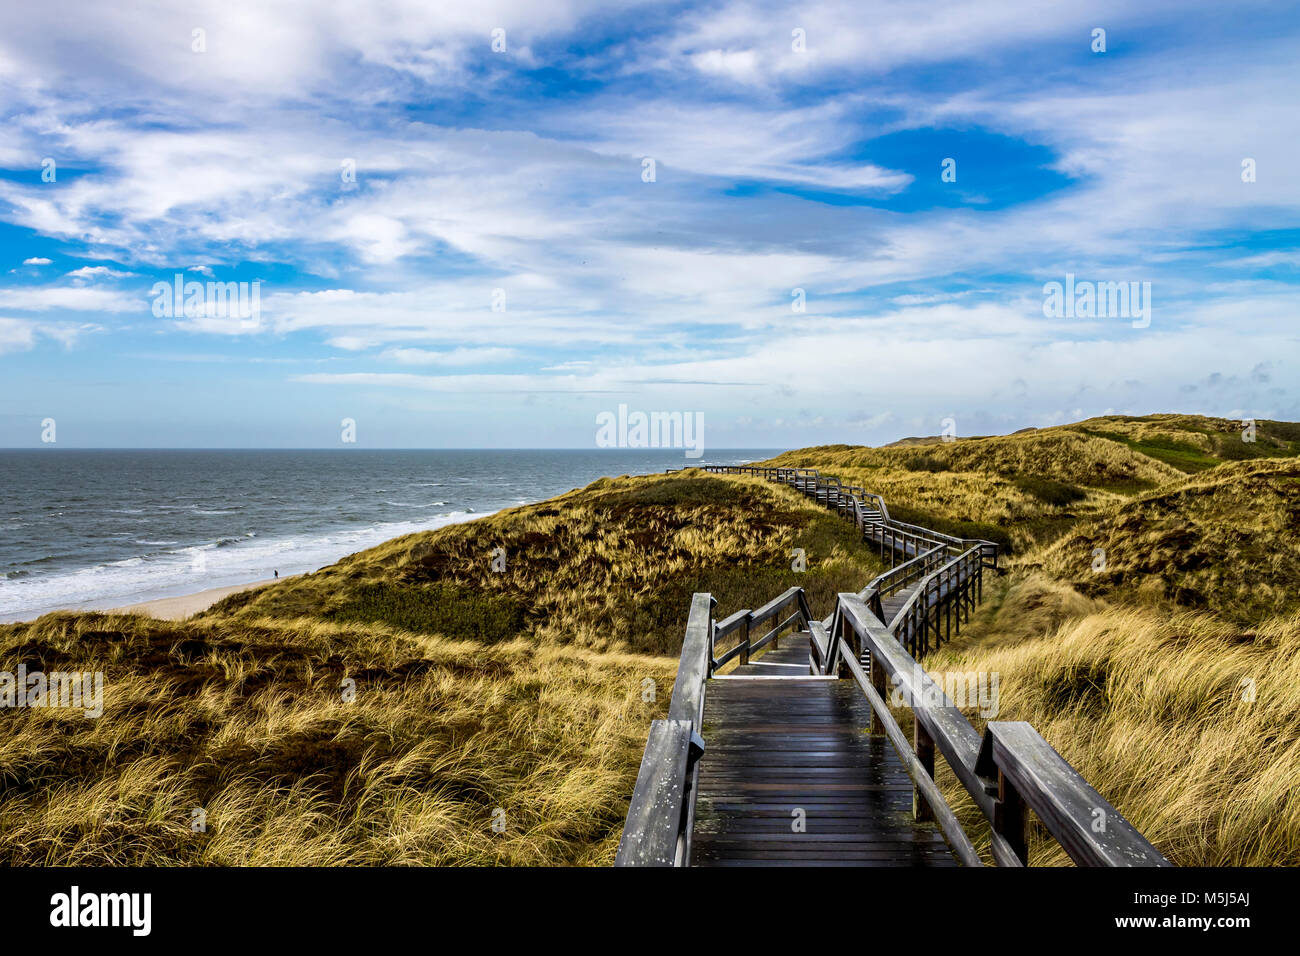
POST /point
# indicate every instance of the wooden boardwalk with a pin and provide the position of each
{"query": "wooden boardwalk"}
(790, 778)
(765, 758)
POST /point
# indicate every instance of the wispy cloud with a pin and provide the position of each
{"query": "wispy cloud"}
(672, 202)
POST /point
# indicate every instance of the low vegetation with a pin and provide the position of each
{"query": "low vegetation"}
(384, 709)
(1227, 541)
(1184, 721)
(390, 708)
(1149, 625)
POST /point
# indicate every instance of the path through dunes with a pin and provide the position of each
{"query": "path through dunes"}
(771, 763)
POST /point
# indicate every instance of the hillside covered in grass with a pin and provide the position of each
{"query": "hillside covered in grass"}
(1026, 489)
(1166, 671)
(1184, 721)
(390, 708)
(384, 709)
(1226, 540)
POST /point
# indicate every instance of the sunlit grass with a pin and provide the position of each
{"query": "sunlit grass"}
(1155, 711)
(475, 690)
(521, 689)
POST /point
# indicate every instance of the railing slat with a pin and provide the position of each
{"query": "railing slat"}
(688, 690)
(1092, 831)
(655, 814)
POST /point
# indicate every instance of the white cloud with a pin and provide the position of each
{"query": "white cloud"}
(70, 299)
(37, 261)
(16, 335)
(687, 279)
(458, 356)
(98, 272)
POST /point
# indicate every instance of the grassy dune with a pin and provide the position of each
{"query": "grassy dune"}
(1025, 490)
(1184, 721)
(1019, 490)
(1169, 679)
(1193, 443)
(1227, 541)
(474, 690)
(1169, 676)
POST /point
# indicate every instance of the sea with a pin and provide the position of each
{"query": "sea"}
(100, 529)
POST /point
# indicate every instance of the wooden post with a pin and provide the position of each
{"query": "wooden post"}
(1009, 818)
(948, 620)
(923, 744)
(744, 647)
(878, 682)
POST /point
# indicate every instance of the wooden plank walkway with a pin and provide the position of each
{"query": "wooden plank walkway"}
(892, 604)
(788, 660)
(768, 765)
(775, 746)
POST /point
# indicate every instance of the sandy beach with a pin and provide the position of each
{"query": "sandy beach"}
(179, 608)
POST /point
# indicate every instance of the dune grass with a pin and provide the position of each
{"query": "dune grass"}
(1226, 540)
(1019, 490)
(249, 724)
(609, 567)
(1184, 722)
(527, 691)
(1167, 675)
(388, 709)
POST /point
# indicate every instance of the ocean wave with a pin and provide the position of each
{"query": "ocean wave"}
(227, 561)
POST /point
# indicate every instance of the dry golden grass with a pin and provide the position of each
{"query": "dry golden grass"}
(1020, 490)
(522, 690)
(1137, 674)
(1193, 443)
(1225, 541)
(1153, 710)
(609, 567)
(536, 709)
(248, 721)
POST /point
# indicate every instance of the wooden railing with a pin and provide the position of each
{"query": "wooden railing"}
(945, 597)
(661, 814)
(745, 623)
(946, 571)
(1009, 769)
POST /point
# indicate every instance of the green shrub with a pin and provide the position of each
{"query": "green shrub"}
(1049, 491)
(455, 612)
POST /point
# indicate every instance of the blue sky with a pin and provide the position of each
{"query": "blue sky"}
(517, 176)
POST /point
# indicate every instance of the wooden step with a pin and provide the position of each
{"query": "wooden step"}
(774, 747)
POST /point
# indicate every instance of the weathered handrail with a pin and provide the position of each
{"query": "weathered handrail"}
(960, 578)
(1010, 768)
(744, 621)
(661, 814)
(1007, 771)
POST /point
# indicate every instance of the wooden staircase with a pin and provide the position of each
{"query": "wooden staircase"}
(782, 760)
(789, 779)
